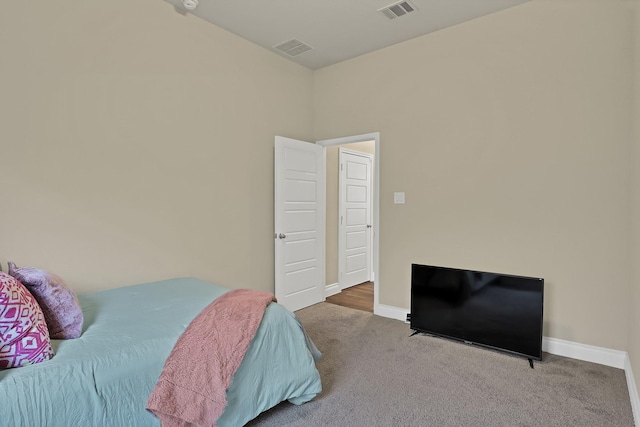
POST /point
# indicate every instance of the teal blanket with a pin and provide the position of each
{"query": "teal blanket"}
(104, 377)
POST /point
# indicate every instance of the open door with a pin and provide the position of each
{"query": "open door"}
(299, 223)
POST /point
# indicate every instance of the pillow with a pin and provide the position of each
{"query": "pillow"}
(59, 304)
(24, 338)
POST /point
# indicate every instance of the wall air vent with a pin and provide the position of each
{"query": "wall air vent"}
(293, 47)
(398, 9)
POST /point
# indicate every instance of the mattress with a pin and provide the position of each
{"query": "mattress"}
(104, 377)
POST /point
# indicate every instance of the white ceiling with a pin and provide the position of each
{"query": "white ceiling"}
(336, 30)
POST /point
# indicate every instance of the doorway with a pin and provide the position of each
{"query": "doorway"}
(368, 143)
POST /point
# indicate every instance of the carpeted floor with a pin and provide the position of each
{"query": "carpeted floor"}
(374, 374)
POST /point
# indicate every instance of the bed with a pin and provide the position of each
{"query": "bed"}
(104, 377)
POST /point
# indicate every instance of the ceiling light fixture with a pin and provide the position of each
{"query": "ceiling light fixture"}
(190, 4)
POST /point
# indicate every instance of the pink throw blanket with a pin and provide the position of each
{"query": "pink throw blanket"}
(193, 383)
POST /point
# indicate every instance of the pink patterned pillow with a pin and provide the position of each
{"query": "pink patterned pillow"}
(59, 304)
(24, 338)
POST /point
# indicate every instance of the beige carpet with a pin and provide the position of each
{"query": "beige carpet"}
(374, 374)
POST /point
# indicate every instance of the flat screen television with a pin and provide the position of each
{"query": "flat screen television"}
(498, 311)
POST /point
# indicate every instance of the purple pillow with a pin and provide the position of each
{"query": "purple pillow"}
(24, 338)
(59, 304)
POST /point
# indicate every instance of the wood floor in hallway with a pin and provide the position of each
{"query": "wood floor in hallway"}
(359, 297)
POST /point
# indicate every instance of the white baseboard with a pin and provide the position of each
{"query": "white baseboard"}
(331, 289)
(390, 312)
(589, 353)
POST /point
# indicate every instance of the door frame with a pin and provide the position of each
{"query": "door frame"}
(341, 206)
(374, 136)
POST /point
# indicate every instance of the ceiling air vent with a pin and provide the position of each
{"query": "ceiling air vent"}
(293, 47)
(397, 10)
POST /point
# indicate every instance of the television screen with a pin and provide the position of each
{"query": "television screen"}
(499, 311)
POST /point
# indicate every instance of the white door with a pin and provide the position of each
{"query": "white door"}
(299, 223)
(355, 218)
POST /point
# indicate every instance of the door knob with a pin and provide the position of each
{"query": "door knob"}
(282, 236)
(368, 226)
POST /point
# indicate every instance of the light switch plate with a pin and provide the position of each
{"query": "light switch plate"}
(398, 198)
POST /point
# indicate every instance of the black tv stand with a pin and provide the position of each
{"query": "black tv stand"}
(531, 363)
(413, 333)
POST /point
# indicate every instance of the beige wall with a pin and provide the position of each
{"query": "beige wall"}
(333, 192)
(634, 311)
(137, 143)
(510, 136)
